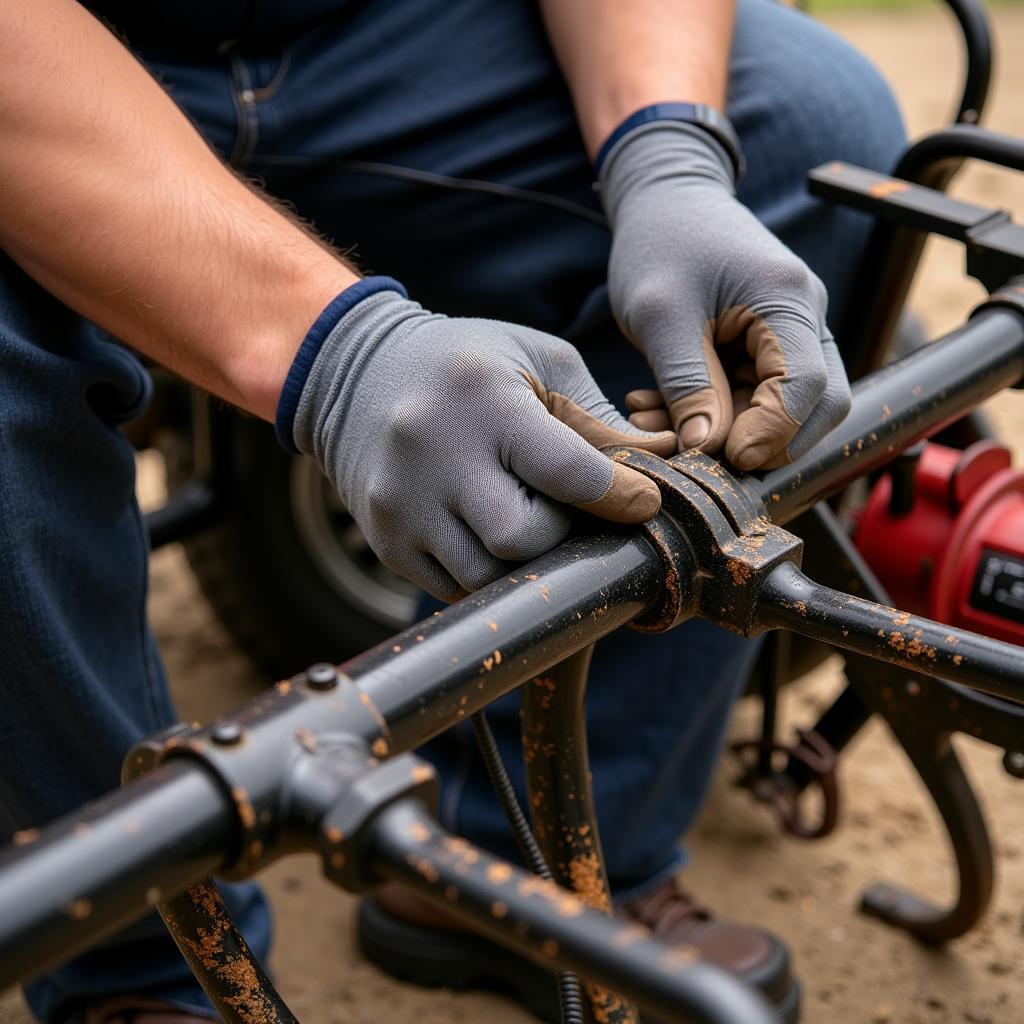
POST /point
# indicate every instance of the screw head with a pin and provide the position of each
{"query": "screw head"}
(1013, 762)
(321, 676)
(226, 734)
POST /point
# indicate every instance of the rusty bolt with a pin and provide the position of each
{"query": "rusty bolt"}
(1013, 762)
(226, 734)
(321, 676)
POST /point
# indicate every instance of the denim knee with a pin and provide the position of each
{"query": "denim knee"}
(813, 95)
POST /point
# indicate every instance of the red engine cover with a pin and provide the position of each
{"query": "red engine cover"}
(958, 555)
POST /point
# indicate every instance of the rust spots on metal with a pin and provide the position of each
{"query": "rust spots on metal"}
(499, 908)
(380, 747)
(397, 648)
(334, 834)
(911, 647)
(889, 187)
(531, 576)
(742, 572)
(422, 773)
(153, 896)
(545, 592)
(337, 860)
(420, 638)
(382, 724)
(958, 660)
(79, 910)
(498, 873)
(608, 1008)
(418, 832)
(283, 686)
(218, 948)
(424, 868)
(26, 836)
(492, 626)
(307, 741)
(588, 881)
(244, 807)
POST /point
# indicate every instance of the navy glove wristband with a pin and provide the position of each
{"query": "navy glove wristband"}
(717, 125)
(310, 349)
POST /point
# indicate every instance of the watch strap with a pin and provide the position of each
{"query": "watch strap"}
(716, 124)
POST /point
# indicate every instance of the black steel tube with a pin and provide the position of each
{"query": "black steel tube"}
(448, 666)
(97, 869)
(930, 160)
(103, 866)
(541, 921)
(789, 600)
(977, 58)
(898, 405)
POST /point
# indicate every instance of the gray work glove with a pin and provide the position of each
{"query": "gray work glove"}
(731, 321)
(456, 444)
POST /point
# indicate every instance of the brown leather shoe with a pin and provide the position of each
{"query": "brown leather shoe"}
(410, 939)
(757, 956)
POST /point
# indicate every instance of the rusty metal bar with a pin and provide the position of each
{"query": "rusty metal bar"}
(789, 600)
(66, 887)
(550, 926)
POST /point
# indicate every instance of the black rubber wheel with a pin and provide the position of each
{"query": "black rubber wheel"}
(287, 570)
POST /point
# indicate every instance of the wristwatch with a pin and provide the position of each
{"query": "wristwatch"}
(716, 124)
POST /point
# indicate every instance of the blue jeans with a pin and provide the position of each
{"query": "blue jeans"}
(353, 121)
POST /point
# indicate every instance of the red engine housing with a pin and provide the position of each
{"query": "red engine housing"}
(957, 556)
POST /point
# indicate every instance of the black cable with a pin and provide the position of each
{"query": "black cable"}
(570, 992)
(448, 181)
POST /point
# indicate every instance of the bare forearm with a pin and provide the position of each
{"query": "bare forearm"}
(111, 200)
(618, 57)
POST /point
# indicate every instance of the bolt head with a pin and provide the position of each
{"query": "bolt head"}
(322, 676)
(1013, 762)
(226, 734)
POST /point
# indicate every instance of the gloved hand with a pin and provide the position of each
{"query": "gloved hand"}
(455, 442)
(731, 321)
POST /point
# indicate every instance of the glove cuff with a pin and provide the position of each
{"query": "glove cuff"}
(709, 120)
(295, 381)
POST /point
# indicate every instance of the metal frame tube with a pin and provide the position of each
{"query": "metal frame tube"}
(104, 865)
(789, 600)
(899, 405)
(541, 921)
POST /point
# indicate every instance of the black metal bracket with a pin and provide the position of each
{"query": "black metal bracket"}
(994, 243)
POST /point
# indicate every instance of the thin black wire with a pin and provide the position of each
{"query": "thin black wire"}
(447, 181)
(570, 992)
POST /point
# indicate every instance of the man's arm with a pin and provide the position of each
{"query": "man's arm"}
(112, 201)
(455, 443)
(732, 323)
(619, 57)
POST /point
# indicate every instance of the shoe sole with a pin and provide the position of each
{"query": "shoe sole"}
(444, 958)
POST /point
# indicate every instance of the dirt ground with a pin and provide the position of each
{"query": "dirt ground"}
(853, 969)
